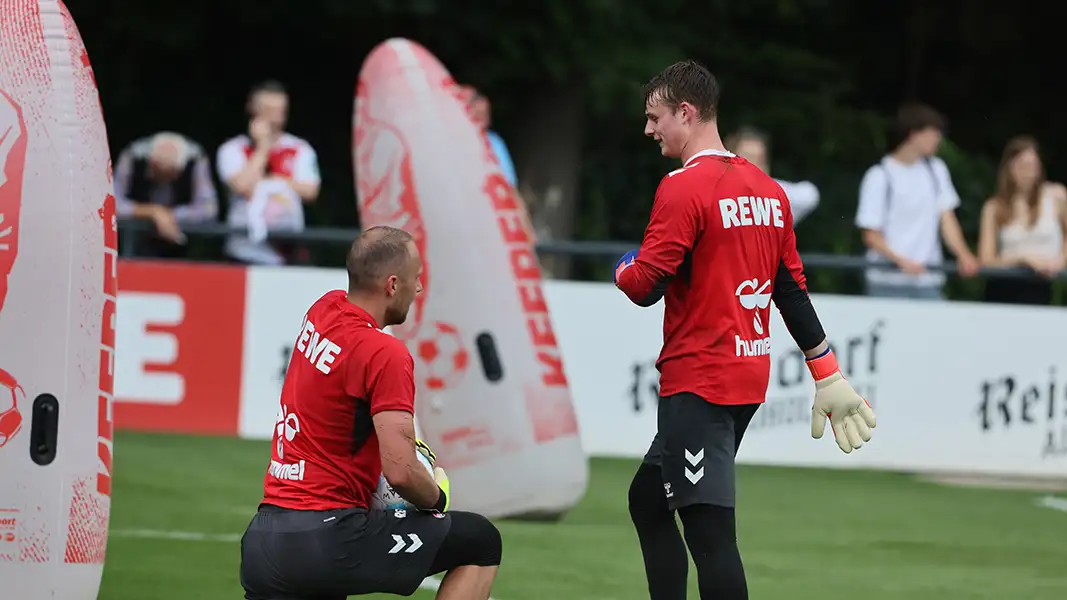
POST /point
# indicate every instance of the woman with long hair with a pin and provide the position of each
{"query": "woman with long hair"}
(1023, 225)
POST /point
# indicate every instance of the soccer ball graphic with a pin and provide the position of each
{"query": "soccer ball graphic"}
(441, 359)
(287, 425)
(386, 498)
(11, 395)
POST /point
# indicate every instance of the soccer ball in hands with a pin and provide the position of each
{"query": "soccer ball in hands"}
(386, 498)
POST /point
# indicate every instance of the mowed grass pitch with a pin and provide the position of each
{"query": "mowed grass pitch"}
(803, 533)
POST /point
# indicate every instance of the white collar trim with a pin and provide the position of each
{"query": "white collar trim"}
(708, 153)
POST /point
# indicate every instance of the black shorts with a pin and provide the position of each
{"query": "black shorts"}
(695, 446)
(330, 555)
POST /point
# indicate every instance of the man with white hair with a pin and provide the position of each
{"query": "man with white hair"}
(165, 178)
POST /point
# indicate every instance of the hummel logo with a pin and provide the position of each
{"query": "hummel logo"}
(416, 543)
(693, 459)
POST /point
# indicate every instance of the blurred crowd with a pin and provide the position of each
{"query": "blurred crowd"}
(906, 202)
(267, 173)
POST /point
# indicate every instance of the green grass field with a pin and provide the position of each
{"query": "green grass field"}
(888, 537)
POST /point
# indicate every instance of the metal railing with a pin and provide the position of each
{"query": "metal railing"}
(130, 229)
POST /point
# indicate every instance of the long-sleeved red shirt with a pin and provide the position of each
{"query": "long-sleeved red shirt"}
(720, 238)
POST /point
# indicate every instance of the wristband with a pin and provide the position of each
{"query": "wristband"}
(823, 365)
(442, 501)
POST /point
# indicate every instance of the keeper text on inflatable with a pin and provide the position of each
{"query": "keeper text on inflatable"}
(58, 289)
(492, 395)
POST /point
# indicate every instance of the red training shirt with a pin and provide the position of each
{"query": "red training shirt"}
(721, 233)
(343, 371)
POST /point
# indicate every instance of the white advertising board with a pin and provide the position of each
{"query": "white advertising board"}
(276, 300)
(956, 386)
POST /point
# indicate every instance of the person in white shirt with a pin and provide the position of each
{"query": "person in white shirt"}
(270, 174)
(753, 145)
(1023, 225)
(907, 207)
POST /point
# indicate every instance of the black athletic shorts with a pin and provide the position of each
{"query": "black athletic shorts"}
(695, 446)
(330, 555)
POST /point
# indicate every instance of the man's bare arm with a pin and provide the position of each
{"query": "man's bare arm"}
(245, 180)
(873, 239)
(952, 233)
(400, 466)
(307, 190)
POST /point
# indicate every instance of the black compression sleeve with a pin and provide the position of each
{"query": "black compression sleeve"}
(656, 294)
(796, 309)
(442, 501)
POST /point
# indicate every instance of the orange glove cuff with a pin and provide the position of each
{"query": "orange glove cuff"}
(823, 366)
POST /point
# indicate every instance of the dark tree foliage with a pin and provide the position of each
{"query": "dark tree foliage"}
(822, 76)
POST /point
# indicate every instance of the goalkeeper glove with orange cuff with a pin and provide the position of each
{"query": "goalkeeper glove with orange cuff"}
(851, 417)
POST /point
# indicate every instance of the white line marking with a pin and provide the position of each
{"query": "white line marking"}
(188, 536)
(1053, 502)
(433, 585)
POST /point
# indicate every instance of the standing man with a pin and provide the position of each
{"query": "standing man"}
(270, 174)
(906, 200)
(346, 418)
(480, 111)
(718, 248)
(753, 145)
(481, 114)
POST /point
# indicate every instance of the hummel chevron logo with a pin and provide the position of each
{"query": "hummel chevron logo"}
(416, 543)
(693, 459)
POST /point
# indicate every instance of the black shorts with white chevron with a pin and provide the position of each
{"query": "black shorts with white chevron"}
(330, 555)
(695, 446)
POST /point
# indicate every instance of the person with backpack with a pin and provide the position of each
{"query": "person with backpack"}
(907, 207)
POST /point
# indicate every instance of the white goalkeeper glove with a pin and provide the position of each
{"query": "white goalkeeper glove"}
(851, 417)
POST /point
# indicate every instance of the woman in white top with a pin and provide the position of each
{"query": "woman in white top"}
(1023, 225)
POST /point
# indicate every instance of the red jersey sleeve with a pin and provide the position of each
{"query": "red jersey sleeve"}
(673, 228)
(390, 383)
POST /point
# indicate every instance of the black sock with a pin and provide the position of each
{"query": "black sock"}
(711, 534)
(666, 560)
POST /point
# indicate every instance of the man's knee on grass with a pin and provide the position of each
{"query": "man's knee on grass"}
(472, 540)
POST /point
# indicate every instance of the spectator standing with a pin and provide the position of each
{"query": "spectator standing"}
(753, 145)
(165, 178)
(1023, 225)
(480, 111)
(270, 175)
(906, 200)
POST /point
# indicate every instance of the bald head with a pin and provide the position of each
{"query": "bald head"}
(376, 254)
